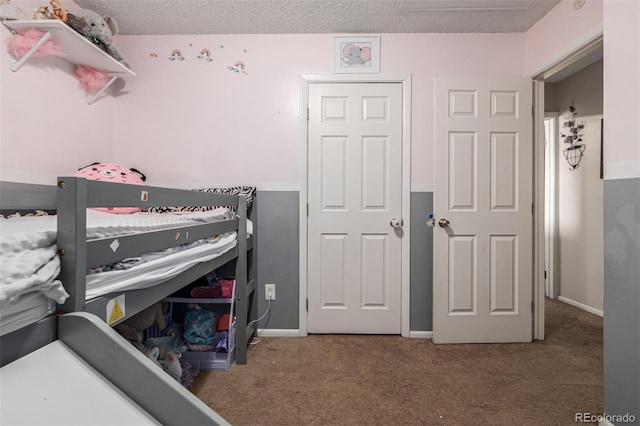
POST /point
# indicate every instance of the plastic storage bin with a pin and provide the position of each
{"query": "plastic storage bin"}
(202, 360)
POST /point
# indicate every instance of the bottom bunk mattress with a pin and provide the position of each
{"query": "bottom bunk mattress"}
(28, 309)
(155, 268)
(29, 266)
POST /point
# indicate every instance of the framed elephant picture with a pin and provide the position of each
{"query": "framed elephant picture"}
(356, 54)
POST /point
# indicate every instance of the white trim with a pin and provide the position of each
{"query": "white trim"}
(421, 334)
(626, 169)
(538, 213)
(551, 208)
(582, 306)
(278, 332)
(405, 80)
(570, 51)
(422, 187)
(564, 57)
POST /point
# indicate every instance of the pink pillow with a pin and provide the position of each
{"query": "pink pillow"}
(111, 172)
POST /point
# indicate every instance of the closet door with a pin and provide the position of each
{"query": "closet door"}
(355, 208)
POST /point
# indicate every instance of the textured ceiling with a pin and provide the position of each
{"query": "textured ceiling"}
(156, 17)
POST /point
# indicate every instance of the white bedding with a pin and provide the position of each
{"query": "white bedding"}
(158, 269)
(29, 260)
(30, 308)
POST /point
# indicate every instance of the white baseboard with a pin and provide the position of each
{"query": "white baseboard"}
(421, 334)
(275, 332)
(581, 306)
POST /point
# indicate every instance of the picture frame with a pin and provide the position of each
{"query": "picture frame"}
(356, 54)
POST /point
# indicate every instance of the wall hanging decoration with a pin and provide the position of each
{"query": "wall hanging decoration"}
(356, 54)
(573, 153)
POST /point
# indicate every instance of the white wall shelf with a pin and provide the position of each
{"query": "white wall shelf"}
(76, 49)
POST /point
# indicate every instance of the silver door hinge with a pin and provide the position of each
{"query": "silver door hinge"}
(307, 209)
(307, 113)
(307, 304)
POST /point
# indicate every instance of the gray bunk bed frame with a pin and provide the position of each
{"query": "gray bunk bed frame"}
(77, 254)
(83, 328)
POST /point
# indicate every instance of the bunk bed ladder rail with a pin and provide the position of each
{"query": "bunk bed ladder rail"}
(243, 288)
(72, 240)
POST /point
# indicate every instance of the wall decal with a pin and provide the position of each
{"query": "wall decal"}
(238, 67)
(176, 55)
(153, 55)
(205, 54)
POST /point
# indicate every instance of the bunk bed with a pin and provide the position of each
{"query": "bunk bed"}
(78, 253)
(84, 326)
(28, 323)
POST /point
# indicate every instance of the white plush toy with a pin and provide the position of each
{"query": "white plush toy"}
(10, 11)
(99, 30)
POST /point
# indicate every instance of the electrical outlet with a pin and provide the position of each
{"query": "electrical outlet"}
(269, 291)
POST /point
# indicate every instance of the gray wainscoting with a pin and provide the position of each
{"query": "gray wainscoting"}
(622, 297)
(277, 235)
(421, 262)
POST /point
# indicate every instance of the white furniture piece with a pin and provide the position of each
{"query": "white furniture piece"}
(77, 49)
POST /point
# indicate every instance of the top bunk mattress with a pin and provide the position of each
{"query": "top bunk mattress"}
(29, 260)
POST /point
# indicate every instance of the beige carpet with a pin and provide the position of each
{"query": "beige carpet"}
(389, 380)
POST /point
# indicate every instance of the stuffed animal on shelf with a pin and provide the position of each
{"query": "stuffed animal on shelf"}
(41, 13)
(10, 11)
(133, 328)
(97, 29)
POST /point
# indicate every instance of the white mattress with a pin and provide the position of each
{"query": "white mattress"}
(29, 260)
(29, 309)
(158, 270)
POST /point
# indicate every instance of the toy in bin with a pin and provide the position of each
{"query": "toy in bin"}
(199, 329)
(220, 288)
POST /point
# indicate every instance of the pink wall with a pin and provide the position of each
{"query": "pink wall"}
(183, 121)
(47, 128)
(622, 88)
(558, 31)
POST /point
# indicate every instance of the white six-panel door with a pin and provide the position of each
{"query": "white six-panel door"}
(482, 288)
(354, 192)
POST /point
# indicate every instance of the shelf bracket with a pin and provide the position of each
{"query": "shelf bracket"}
(92, 98)
(17, 64)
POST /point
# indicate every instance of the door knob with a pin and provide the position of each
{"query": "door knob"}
(443, 223)
(395, 223)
